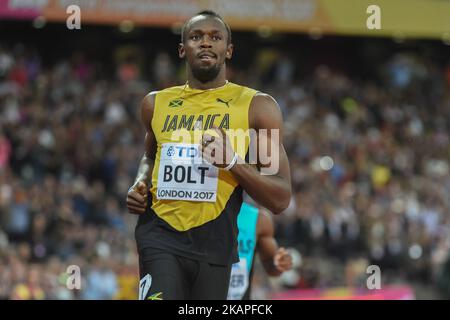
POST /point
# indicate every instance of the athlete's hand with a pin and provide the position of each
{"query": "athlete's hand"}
(282, 260)
(217, 150)
(137, 198)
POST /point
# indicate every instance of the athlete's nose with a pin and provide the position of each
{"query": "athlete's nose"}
(204, 43)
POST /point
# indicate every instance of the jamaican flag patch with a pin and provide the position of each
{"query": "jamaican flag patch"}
(176, 103)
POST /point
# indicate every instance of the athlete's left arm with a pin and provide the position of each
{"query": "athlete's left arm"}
(274, 259)
(273, 189)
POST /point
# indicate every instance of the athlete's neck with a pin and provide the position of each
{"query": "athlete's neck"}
(217, 82)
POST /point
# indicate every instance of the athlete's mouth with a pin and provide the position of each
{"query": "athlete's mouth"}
(206, 56)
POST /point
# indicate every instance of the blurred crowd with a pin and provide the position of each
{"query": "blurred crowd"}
(370, 173)
(369, 163)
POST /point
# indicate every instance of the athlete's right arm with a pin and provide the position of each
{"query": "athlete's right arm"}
(137, 194)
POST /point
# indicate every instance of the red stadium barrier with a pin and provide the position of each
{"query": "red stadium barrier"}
(386, 293)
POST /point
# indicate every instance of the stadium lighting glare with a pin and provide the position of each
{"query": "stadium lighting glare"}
(326, 163)
(264, 31)
(126, 26)
(415, 251)
(39, 22)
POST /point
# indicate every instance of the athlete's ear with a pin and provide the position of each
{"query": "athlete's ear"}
(181, 51)
(229, 53)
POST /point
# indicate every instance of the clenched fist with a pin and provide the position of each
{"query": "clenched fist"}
(217, 150)
(282, 260)
(137, 198)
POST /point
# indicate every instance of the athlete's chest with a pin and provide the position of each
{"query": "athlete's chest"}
(222, 111)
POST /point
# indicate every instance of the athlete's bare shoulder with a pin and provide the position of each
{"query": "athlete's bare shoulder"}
(148, 102)
(264, 96)
(265, 113)
(147, 108)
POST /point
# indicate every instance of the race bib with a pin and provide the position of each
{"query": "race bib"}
(239, 280)
(183, 175)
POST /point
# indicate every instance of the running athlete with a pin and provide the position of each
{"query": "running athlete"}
(256, 233)
(186, 232)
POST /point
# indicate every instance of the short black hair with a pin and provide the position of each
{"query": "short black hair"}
(211, 14)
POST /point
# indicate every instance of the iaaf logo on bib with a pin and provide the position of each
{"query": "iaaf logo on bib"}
(170, 152)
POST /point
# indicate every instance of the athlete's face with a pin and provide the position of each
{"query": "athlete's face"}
(205, 47)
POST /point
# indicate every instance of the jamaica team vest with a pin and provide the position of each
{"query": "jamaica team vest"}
(186, 191)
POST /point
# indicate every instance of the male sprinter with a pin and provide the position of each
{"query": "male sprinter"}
(187, 235)
(256, 232)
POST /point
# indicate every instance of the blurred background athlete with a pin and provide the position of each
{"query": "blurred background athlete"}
(256, 235)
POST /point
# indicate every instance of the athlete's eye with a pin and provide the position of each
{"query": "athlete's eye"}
(216, 38)
(195, 37)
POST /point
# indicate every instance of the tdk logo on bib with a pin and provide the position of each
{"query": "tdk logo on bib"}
(184, 153)
(183, 175)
